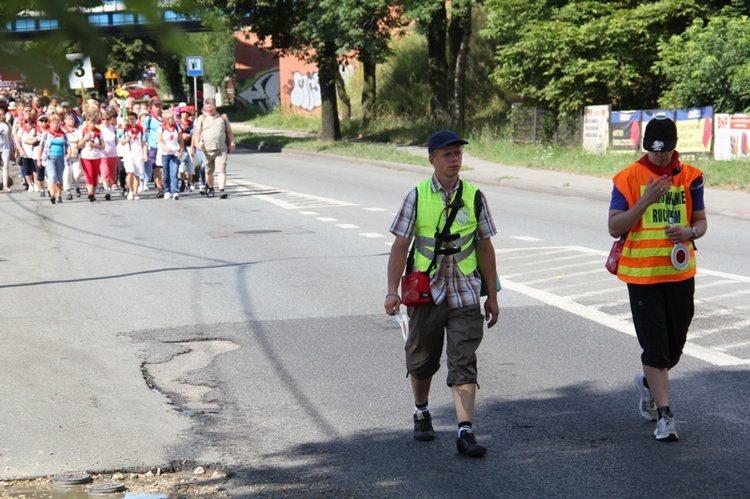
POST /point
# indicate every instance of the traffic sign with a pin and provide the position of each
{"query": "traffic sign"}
(195, 66)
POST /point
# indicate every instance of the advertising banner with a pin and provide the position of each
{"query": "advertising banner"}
(596, 129)
(625, 131)
(731, 137)
(695, 131)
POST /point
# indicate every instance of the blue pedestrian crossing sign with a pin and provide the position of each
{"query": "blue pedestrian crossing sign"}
(195, 66)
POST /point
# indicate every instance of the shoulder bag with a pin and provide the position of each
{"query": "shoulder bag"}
(415, 285)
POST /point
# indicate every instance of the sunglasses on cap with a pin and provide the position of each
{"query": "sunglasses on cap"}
(42, 120)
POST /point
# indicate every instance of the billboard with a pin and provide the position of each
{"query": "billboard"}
(596, 129)
(625, 131)
(731, 137)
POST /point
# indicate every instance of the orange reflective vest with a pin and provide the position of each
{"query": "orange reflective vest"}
(646, 255)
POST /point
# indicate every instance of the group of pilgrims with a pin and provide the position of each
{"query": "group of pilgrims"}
(100, 148)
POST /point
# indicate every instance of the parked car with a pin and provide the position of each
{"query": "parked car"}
(139, 91)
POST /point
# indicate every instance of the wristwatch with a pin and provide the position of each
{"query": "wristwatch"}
(695, 234)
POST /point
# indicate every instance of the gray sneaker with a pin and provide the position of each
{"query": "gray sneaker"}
(423, 426)
(646, 405)
(666, 429)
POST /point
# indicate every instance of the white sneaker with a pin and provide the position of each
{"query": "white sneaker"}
(130, 196)
(136, 197)
(140, 188)
(646, 405)
(167, 195)
(666, 429)
(176, 196)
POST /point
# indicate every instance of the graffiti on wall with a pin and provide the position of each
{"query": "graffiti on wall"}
(263, 91)
(305, 92)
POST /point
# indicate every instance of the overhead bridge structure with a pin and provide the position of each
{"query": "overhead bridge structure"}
(110, 19)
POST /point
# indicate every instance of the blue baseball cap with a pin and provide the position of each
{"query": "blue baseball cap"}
(443, 138)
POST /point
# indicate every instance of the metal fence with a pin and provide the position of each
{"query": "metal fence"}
(534, 125)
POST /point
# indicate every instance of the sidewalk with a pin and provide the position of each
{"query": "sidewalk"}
(718, 202)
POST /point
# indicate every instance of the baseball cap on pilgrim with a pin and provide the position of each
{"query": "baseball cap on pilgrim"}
(443, 138)
(660, 135)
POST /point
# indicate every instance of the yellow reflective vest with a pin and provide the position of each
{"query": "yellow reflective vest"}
(431, 218)
(647, 253)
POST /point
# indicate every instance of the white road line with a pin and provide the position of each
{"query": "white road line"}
(719, 282)
(732, 326)
(564, 276)
(730, 295)
(290, 200)
(732, 277)
(327, 219)
(709, 355)
(596, 292)
(371, 234)
(347, 226)
(308, 213)
(712, 313)
(374, 209)
(741, 344)
(526, 238)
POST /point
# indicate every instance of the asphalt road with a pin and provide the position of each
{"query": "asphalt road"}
(249, 332)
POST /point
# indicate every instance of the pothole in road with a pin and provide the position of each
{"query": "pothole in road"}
(180, 379)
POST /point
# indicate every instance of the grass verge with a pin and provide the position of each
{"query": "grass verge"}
(384, 140)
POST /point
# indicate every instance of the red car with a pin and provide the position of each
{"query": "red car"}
(138, 91)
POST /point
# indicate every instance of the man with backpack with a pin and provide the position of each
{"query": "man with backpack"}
(214, 137)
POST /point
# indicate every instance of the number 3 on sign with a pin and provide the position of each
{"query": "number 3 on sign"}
(80, 74)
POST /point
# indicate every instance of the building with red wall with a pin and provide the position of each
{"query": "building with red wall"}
(269, 81)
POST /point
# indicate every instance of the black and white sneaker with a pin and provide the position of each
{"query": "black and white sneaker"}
(466, 443)
(423, 426)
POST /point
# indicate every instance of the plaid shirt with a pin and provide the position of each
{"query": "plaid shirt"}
(448, 281)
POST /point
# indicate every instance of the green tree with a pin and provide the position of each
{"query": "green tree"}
(708, 64)
(448, 29)
(47, 51)
(367, 33)
(567, 54)
(216, 46)
(305, 28)
(431, 18)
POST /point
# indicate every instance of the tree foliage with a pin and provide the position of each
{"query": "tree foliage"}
(47, 52)
(567, 54)
(319, 31)
(709, 63)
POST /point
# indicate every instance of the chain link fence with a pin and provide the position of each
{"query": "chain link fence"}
(534, 125)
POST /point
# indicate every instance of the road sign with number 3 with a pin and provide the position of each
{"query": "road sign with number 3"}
(80, 74)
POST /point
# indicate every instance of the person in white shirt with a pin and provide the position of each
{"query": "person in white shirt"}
(6, 140)
(134, 154)
(109, 161)
(73, 171)
(171, 147)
